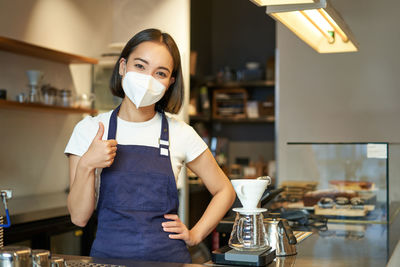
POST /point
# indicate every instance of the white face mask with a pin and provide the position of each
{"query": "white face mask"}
(143, 90)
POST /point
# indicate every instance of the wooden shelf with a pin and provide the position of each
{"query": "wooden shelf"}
(24, 48)
(241, 84)
(4, 104)
(199, 118)
(233, 120)
(245, 120)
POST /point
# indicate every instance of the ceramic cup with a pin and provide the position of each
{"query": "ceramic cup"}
(249, 191)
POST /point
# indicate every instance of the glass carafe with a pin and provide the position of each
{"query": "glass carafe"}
(248, 233)
(34, 95)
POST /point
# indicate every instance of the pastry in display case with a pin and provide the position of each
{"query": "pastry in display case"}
(338, 180)
(295, 190)
(352, 185)
(312, 198)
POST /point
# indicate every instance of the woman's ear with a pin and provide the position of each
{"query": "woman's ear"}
(171, 81)
(122, 66)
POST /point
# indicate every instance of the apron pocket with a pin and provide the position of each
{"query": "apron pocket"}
(134, 190)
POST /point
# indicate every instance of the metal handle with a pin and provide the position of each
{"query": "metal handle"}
(289, 233)
(267, 178)
(6, 194)
(270, 195)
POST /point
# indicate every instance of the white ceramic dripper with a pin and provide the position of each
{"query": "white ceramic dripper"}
(34, 77)
(249, 191)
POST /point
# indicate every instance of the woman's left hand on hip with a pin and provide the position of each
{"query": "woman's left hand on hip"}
(176, 226)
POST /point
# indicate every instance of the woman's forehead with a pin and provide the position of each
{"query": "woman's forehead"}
(154, 53)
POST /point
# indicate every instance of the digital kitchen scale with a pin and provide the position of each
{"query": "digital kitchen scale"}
(230, 256)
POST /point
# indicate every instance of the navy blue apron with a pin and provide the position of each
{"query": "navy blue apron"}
(135, 193)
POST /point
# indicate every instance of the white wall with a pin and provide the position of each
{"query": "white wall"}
(347, 97)
(31, 158)
(67, 25)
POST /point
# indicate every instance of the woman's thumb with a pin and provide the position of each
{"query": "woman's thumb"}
(100, 132)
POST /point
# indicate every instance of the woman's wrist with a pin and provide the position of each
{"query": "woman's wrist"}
(195, 237)
(84, 165)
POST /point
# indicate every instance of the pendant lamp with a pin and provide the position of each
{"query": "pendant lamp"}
(317, 23)
(282, 2)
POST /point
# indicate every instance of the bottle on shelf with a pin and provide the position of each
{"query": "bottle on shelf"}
(204, 101)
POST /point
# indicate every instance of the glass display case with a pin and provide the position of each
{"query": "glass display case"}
(343, 181)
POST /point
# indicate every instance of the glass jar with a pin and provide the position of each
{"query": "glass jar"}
(49, 95)
(84, 100)
(65, 98)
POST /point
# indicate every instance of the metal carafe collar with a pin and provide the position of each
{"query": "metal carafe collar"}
(40, 258)
(15, 256)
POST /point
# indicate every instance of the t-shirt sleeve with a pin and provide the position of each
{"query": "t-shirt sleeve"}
(194, 144)
(82, 136)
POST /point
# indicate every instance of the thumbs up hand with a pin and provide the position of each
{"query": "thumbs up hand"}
(101, 153)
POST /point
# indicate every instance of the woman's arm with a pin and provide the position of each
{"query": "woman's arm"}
(82, 198)
(219, 186)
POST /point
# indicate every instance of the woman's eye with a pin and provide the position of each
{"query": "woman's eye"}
(161, 74)
(139, 66)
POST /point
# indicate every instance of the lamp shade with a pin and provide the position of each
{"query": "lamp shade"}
(317, 23)
(282, 2)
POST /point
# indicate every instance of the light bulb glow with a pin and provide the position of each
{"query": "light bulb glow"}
(318, 21)
(282, 2)
(333, 24)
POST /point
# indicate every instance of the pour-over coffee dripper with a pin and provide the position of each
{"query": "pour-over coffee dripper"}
(248, 233)
(250, 191)
(34, 77)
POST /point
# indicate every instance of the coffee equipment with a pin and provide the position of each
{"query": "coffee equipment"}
(248, 232)
(57, 262)
(248, 242)
(280, 235)
(15, 256)
(20, 256)
(4, 195)
(34, 77)
(40, 258)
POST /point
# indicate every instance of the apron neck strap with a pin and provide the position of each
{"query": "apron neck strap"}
(163, 141)
(112, 128)
(164, 136)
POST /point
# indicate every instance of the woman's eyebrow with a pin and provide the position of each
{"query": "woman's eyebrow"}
(141, 59)
(164, 68)
(145, 61)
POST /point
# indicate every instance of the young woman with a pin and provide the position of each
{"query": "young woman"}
(139, 151)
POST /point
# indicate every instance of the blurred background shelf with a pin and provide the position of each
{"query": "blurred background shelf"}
(246, 120)
(202, 118)
(199, 118)
(231, 84)
(19, 47)
(4, 104)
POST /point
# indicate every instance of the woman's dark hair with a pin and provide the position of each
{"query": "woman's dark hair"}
(173, 97)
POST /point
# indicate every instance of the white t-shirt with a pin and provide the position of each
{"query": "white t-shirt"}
(185, 144)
